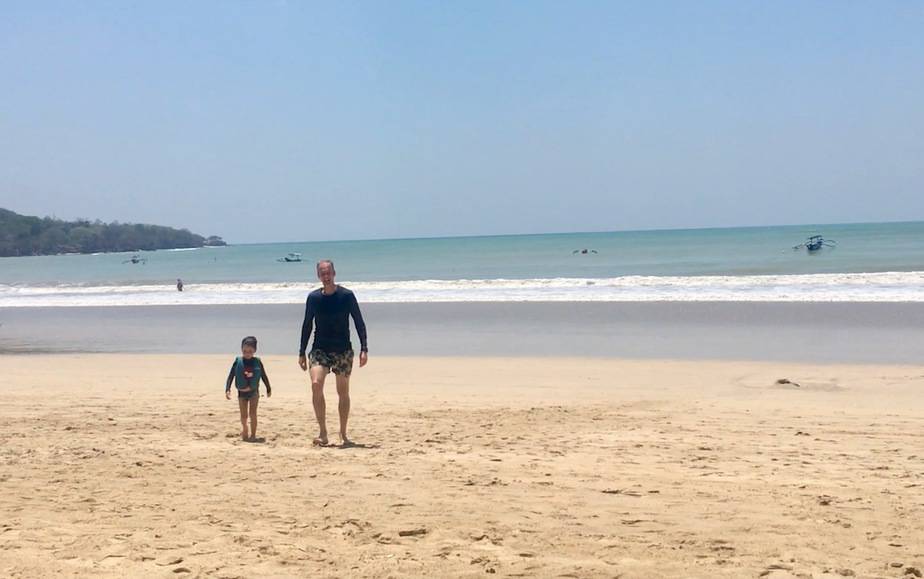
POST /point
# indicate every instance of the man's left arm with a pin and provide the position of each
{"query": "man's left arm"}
(360, 331)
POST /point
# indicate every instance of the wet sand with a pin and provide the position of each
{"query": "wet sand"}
(877, 333)
(119, 465)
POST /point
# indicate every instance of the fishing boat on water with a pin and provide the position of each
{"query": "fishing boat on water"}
(292, 257)
(815, 243)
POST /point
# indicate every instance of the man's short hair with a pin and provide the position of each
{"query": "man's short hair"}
(332, 268)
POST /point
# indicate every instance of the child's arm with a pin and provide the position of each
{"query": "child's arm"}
(230, 379)
(269, 389)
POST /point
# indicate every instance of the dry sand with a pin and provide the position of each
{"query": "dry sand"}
(131, 465)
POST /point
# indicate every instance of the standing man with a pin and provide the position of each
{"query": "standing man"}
(330, 309)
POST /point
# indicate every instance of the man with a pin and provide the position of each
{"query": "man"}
(330, 309)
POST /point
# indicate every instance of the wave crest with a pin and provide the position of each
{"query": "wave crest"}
(852, 287)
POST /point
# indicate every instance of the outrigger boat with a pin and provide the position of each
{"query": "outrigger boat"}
(814, 243)
(293, 257)
(136, 259)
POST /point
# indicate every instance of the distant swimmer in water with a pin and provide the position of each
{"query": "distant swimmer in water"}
(179, 285)
(584, 251)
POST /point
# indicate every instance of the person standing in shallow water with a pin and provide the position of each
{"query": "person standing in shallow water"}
(329, 310)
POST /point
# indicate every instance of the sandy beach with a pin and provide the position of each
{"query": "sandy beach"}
(118, 465)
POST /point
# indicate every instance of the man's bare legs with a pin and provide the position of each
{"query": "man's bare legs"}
(318, 374)
(343, 392)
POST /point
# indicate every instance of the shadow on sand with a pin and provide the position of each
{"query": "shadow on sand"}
(352, 445)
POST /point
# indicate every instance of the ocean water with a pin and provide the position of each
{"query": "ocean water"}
(880, 262)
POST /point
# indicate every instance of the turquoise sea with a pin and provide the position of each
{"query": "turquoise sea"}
(871, 262)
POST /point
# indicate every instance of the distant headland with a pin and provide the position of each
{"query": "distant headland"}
(29, 235)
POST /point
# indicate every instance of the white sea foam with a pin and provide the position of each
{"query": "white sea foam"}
(855, 287)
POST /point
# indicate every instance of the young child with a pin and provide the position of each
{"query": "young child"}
(246, 372)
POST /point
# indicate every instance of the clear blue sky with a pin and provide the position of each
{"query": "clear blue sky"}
(283, 121)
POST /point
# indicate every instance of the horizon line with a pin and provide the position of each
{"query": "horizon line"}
(643, 230)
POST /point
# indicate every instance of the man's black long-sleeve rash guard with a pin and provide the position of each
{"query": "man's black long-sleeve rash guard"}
(330, 315)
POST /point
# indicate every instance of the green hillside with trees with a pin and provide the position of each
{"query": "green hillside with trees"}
(27, 235)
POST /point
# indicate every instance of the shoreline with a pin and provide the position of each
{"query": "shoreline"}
(866, 332)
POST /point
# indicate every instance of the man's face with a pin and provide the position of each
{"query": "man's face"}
(325, 273)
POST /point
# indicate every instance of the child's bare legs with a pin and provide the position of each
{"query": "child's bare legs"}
(253, 417)
(242, 402)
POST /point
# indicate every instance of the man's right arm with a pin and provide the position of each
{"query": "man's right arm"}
(306, 327)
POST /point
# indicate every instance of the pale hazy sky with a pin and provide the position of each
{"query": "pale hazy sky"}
(285, 121)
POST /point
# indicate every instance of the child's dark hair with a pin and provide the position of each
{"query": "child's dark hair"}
(249, 341)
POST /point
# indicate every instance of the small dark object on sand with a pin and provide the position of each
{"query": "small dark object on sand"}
(629, 493)
(412, 532)
(788, 381)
